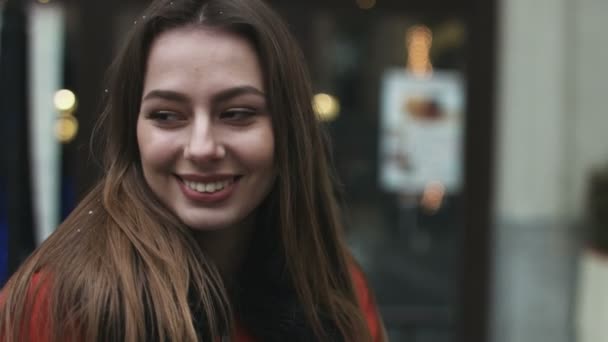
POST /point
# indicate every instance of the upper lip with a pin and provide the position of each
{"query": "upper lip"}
(218, 177)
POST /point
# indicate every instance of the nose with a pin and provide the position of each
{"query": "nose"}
(202, 144)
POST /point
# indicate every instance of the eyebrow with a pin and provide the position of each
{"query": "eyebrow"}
(222, 96)
(237, 91)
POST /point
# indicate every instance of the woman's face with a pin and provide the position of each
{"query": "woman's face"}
(204, 132)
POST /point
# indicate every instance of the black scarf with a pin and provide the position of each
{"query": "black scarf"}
(265, 302)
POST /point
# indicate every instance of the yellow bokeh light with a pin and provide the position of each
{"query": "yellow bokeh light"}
(44, 1)
(65, 100)
(433, 196)
(326, 107)
(366, 4)
(419, 40)
(66, 128)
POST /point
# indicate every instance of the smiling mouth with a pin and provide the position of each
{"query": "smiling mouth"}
(209, 187)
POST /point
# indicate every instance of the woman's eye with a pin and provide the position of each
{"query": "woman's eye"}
(164, 116)
(237, 114)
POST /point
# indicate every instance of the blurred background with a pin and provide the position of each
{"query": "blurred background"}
(470, 137)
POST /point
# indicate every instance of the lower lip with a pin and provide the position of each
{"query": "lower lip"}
(208, 197)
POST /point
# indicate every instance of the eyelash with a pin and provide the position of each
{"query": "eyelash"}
(163, 116)
(238, 114)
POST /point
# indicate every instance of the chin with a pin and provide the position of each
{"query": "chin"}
(202, 227)
(214, 221)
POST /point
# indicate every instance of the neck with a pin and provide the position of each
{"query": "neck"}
(227, 247)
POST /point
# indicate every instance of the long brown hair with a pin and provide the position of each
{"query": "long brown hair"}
(122, 267)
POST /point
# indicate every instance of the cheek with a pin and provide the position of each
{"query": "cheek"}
(261, 150)
(143, 144)
(156, 150)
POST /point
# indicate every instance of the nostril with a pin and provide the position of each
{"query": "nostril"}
(204, 151)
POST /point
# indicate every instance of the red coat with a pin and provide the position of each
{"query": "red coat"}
(38, 332)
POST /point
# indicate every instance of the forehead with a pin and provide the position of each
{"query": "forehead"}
(203, 35)
(199, 56)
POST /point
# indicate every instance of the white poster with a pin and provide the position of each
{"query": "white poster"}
(421, 131)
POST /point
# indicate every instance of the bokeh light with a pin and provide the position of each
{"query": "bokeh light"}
(419, 40)
(432, 197)
(66, 128)
(326, 107)
(65, 100)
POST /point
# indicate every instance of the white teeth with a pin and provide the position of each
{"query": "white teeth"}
(207, 187)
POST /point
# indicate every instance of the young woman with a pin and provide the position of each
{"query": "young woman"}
(216, 217)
